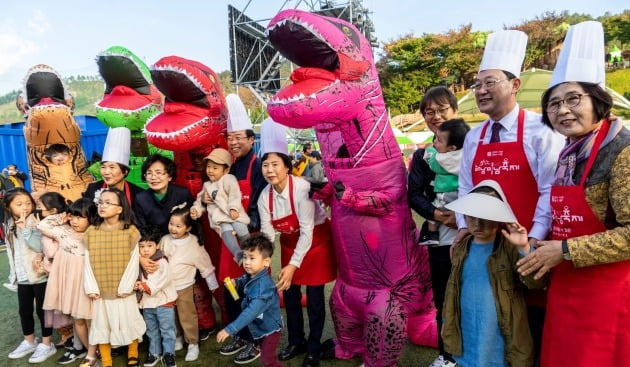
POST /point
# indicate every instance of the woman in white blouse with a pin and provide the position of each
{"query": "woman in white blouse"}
(307, 252)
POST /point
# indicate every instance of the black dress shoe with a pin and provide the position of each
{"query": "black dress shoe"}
(327, 350)
(290, 351)
(311, 360)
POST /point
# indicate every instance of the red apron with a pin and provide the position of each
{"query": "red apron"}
(588, 317)
(507, 164)
(227, 266)
(318, 266)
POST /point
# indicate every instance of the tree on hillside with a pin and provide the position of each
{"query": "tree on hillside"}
(545, 34)
(411, 65)
(617, 28)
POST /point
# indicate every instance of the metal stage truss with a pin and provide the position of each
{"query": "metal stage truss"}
(255, 64)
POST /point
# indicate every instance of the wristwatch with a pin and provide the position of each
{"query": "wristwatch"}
(565, 250)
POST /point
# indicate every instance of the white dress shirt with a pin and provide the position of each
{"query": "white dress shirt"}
(309, 215)
(542, 148)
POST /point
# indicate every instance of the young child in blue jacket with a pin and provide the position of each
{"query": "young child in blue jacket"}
(261, 306)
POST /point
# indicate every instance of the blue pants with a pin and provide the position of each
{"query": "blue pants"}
(160, 327)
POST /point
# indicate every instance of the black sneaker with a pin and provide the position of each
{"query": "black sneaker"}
(72, 355)
(151, 360)
(248, 355)
(169, 360)
(429, 238)
(236, 345)
(204, 334)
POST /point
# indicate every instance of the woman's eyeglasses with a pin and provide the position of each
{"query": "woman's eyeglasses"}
(155, 173)
(428, 114)
(571, 101)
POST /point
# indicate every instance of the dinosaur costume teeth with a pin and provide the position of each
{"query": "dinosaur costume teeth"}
(383, 275)
(194, 114)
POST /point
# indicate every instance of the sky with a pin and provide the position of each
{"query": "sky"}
(68, 34)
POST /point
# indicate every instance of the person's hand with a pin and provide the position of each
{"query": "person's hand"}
(207, 199)
(21, 221)
(315, 187)
(94, 296)
(149, 265)
(517, 235)
(547, 255)
(339, 189)
(254, 221)
(222, 335)
(194, 214)
(234, 214)
(285, 277)
(445, 217)
(137, 286)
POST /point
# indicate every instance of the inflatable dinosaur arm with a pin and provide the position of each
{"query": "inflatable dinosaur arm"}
(325, 194)
(369, 202)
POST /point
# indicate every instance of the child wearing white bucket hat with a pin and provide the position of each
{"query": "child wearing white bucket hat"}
(485, 317)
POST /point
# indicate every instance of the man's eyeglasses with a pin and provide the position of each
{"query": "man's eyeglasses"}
(105, 204)
(237, 139)
(155, 173)
(442, 111)
(571, 101)
(488, 84)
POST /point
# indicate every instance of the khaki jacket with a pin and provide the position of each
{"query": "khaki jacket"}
(508, 292)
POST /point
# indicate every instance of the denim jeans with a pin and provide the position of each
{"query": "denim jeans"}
(160, 323)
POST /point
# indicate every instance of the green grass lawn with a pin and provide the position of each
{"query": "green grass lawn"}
(11, 336)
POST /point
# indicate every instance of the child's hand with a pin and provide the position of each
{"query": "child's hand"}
(137, 286)
(517, 235)
(234, 214)
(222, 335)
(21, 221)
(207, 199)
(149, 265)
(94, 296)
(194, 214)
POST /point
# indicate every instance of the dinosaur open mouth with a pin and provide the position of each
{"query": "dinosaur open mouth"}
(179, 85)
(118, 69)
(302, 44)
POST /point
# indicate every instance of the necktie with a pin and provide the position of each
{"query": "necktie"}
(496, 127)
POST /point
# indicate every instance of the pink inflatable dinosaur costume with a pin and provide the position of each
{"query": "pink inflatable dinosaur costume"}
(383, 274)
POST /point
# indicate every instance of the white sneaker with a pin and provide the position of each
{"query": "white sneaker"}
(179, 343)
(23, 349)
(193, 353)
(438, 362)
(441, 362)
(42, 352)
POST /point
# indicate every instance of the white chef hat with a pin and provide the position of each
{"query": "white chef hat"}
(237, 114)
(273, 137)
(484, 206)
(505, 50)
(582, 57)
(117, 146)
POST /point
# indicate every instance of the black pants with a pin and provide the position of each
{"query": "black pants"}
(233, 310)
(316, 310)
(440, 264)
(27, 293)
